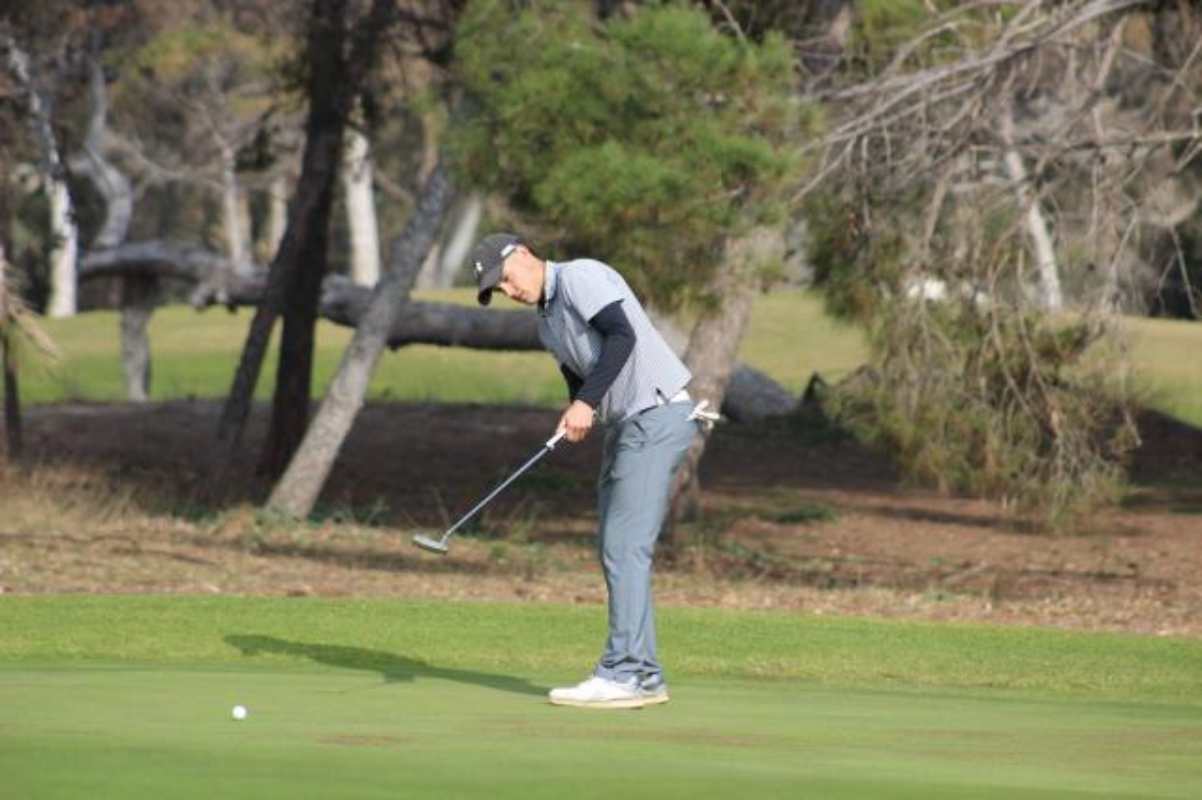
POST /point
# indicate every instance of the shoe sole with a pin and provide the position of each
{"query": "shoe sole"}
(656, 699)
(629, 702)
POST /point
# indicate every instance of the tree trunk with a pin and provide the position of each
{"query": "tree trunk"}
(137, 306)
(335, 79)
(293, 288)
(751, 394)
(301, 484)
(12, 396)
(137, 291)
(713, 347)
(62, 218)
(1050, 296)
(361, 209)
(62, 258)
(303, 248)
(231, 207)
(439, 272)
(12, 400)
(277, 215)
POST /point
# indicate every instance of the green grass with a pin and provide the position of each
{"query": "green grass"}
(195, 354)
(130, 697)
(1168, 365)
(790, 338)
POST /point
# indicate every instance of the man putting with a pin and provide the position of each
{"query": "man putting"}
(621, 371)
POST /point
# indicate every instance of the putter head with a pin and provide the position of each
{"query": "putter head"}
(428, 543)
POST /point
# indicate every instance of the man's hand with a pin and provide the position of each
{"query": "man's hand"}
(577, 421)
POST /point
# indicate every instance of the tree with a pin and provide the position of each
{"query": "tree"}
(137, 291)
(298, 488)
(650, 140)
(981, 170)
(361, 208)
(340, 53)
(62, 228)
(18, 331)
(202, 102)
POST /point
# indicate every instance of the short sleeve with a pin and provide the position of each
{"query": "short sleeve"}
(588, 289)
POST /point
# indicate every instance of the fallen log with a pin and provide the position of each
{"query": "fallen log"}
(752, 395)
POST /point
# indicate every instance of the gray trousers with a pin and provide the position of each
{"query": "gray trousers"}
(641, 456)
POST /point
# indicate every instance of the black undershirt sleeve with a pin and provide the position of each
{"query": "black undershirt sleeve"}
(573, 380)
(617, 342)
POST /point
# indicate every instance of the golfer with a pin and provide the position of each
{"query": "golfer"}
(619, 371)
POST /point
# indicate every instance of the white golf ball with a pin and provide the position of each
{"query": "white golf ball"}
(239, 712)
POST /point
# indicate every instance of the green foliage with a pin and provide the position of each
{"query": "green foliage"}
(185, 53)
(1005, 406)
(643, 141)
(198, 80)
(880, 26)
(979, 392)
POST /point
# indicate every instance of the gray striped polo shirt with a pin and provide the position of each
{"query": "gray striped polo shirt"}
(573, 293)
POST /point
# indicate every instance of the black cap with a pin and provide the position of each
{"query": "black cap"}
(487, 260)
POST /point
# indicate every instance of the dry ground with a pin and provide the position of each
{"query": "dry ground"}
(137, 499)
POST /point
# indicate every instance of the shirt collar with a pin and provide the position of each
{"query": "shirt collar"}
(550, 284)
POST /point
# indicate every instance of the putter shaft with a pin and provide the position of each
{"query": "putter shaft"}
(442, 543)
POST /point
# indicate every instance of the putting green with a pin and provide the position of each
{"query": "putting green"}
(420, 711)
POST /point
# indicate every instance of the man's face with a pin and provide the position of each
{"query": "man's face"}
(522, 277)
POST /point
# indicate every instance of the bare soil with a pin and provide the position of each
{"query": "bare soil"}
(126, 498)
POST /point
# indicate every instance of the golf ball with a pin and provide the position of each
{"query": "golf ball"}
(239, 712)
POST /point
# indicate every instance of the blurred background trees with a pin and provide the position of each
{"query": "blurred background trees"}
(984, 187)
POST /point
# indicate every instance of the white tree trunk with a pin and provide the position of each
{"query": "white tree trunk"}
(1051, 298)
(361, 209)
(66, 251)
(277, 217)
(445, 262)
(62, 219)
(231, 208)
(138, 292)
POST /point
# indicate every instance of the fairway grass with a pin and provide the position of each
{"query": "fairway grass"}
(131, 697)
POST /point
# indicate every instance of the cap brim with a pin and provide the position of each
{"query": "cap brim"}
(487, 281)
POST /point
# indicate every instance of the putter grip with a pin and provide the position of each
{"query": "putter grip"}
(554, 440)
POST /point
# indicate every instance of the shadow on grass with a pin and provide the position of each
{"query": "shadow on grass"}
(392, 668)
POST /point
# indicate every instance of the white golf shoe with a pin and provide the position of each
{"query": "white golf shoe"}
(600, 693)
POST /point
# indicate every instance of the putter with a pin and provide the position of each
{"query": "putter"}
(440, 545)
